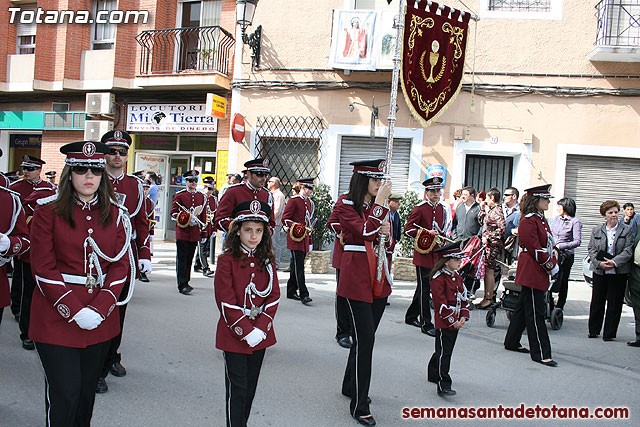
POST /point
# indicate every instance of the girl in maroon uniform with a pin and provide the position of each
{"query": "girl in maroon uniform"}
(247, 294)
(80, 239)
(451, 311)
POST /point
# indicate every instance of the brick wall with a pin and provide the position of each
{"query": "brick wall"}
(52, 140)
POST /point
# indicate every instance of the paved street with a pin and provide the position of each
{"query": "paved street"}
(175, 374)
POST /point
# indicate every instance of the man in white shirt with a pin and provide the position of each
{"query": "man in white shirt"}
(278, 208)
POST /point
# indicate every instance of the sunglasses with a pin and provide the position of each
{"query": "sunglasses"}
(29, 168)
(82, 170)
(509, 195)
(192, 179)
(114, 151)
(260, 174)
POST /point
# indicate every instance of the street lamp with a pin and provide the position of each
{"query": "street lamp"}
(245, 9)
(374, 113)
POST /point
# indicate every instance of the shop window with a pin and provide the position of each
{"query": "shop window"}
(157, 142)
(198, 143)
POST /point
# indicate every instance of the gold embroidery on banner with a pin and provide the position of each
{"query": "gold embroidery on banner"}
(431, 79)
(416, 25)
(427, 105)
(457, 34)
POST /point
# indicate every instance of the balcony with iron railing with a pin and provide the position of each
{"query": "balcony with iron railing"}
(618, 33)
(185, 57)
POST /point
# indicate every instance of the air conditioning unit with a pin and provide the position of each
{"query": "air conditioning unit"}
(94, 129)
(100, 103)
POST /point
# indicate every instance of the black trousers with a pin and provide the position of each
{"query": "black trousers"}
(202, 255)
(296, 275)
(609, 289)
(114, 345)
(420, 307)
(16, 287)
(26, 295)
(561, 285)
(184, 255)
(1, 313)
(440, 362)
(241, 380)
(364, 319)
(212, 250)
(529, 314)
(71, 375)
(342, 313)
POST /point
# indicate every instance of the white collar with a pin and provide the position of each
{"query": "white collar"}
(87, 204)
(247, 251)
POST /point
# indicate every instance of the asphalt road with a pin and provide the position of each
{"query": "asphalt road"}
(175, 373)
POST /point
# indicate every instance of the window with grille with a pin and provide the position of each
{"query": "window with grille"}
(485, 172)
(26, 34)
(520, 5)
(292, 146)
(104, 35)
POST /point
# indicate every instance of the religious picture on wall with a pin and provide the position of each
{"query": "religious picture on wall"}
(352, 43)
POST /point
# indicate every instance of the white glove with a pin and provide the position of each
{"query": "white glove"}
(193, 220)
(87, 319)
(555, 270)
(144, 265)
(203, 240)
(4, 242)
(255, 337)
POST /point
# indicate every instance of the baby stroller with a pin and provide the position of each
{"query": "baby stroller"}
(472, 269)
(509, 300)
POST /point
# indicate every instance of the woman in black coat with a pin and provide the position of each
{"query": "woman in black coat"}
(610, 251)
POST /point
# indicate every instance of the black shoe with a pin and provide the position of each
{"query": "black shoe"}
(117, 370)
(365, 420)
(28, 344)
(197, 269)
(608, 339)
(208, 273)
(294, 297)
(102, 386)
(429, 330)
(520, 349)
(550, 363)
(144, 278)
(306, 300)
(593, 335)
(185, 290)
(414, 322)
(635, 343)
(447, 392)
(344, 342)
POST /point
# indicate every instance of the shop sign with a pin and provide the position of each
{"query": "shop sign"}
(17, 140)
(170, 118)
(217, 106)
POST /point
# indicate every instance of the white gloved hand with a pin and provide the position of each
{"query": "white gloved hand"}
(255, 337)
(555, 270)
(193, 221)
(87, 319)
(4, 242)
(144, 265)
(203, 240)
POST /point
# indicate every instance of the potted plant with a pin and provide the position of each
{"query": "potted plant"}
(403, 268)
(318, 260)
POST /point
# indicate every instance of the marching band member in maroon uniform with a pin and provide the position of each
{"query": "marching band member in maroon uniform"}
(22, 283)
(450, 310)
(81, 240)
(247, 294)
(257, 172)
(51, 177)
(208, 240)
(298, 220)
(149, 211)
(536, 265)
(14, 238)
(343, 331)
(428, 219)
(129, 191)
(188, 210)
(362, 218)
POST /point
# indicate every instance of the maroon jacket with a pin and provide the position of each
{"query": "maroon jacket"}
(334, 225)
(239, 193)
(211, 205)
(432, 217)
(14, 226)
(299, 210)
(130, 193)
(25, 187)
(58, 260)
(150, 210)
(449, 295)
(188, 199)
(355, 278)
(536, 258)
(233, 276)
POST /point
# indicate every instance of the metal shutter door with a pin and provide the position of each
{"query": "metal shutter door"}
(592, 180)
(355, 148)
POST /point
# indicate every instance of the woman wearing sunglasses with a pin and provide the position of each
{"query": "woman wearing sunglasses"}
(79, 244)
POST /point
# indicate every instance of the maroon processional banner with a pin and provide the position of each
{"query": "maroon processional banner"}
(432, 58)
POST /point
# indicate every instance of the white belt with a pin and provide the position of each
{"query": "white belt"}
(247, 311)
(355, 248)
(78, 280)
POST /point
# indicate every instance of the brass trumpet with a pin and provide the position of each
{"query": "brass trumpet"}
(193, 214)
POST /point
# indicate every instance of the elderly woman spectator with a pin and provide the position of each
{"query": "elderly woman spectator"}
(610, 251)
(567, 235)
(493, 227)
